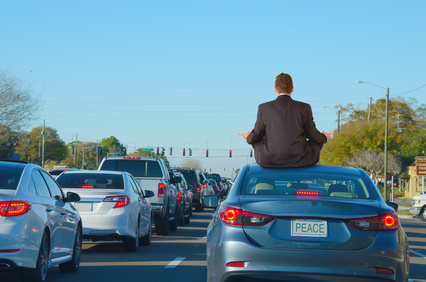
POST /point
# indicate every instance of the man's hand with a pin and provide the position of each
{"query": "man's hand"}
(328, 135)
(244, 135)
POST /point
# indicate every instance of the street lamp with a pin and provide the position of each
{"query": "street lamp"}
(386, 136)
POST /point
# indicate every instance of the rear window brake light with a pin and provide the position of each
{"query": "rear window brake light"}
(131, 158)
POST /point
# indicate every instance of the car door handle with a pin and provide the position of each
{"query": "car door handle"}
(63, 213)
(48, 209)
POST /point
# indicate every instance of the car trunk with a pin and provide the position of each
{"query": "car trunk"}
(310, 224)
(92, 201)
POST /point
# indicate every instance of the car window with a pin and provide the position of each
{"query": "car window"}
(138, 187)
(91, 181)
(55, 191)
(189, 175)
(40, 185)
(299, 184)
(134, 187)
(138, 168)
(9, 178)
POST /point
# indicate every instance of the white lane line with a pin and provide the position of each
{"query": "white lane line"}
(418, 254)
(175, 263)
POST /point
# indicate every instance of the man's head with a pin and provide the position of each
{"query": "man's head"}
(283, 83)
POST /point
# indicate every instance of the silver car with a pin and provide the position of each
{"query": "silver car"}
(113, 206)
(318, 223)
(39, 227)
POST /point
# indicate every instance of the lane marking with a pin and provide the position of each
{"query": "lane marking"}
(418, 254)
(175, 263)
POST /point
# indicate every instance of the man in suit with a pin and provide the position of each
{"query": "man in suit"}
(284, 134)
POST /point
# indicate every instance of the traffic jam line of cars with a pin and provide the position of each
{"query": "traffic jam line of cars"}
(318, 223)
(44, 219)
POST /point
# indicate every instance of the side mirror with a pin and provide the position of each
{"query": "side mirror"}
(73, 197)
(211, 201)
(149, 194)
(392, 205)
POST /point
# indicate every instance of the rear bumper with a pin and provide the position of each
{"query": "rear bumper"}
(266, 264)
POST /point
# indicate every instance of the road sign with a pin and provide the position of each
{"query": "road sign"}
(421, 166)
(148, 149)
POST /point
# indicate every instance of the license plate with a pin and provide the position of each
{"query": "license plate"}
(84, 207)
(309, 228)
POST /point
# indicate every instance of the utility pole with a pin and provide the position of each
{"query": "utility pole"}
(75, 151)
(42, 148)
(386, 145)
(369, 108)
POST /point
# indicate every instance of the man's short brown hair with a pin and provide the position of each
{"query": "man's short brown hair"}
(284, 83)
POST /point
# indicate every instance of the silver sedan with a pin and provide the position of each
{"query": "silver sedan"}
(318, 223)
(113, 206)
(39, 227)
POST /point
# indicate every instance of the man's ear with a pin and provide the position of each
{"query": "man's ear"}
(276, 91)
(292, 90)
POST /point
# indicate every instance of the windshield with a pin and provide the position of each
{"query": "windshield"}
(91, 181)
(301, 184)
(189, 175)
(9, 177)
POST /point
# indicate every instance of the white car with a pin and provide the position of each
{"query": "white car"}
(39, 227)
(113, 206)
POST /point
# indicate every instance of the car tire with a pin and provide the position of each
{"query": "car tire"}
(181, 217)
(422, 214)
(74, 264)
(190, 210)
(146, 240)
(174, 222)
(132, 244)
(38, 274)
(187, 219)
(162, 224)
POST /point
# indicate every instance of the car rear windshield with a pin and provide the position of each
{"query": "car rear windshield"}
(138, 168)
(306, 185)
(189, 175)
(9, 177)
(91, 181)
(215, 177)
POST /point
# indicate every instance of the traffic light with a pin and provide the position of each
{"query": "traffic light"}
(251, 153)
(190, 152)
(158, 150)
(184, 152)
(171, 151)
(163, 151)
(230, 153)
(99, 151)
(123, 151)
(72, 150)
(207, 153)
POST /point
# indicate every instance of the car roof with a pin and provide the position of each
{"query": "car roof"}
(308, 169)
(94, 172)
(13, 164)
(131, 158)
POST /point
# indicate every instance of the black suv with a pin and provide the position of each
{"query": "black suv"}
(196, 183)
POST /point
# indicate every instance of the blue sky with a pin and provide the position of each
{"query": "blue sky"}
(190, 74)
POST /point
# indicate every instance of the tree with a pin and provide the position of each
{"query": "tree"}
(191, 163)
(30, 147)
(17, 105)
(8, 141)
(111, 145)
(373, 163)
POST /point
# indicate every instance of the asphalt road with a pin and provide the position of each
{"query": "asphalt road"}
(181, 257)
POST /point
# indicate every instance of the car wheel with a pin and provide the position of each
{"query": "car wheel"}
(187, 219)
(74, 264)
(131, 244)
(39, 273)
(190, 210)
(181, 217)
(174, 222)
(422, 214)
(162, 224)
(146, 240)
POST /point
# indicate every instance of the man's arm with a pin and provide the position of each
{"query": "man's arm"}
(258, 131)
(311, 131)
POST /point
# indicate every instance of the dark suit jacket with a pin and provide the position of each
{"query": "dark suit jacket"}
(285, 134)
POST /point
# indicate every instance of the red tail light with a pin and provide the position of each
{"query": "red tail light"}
(121, 201)
(307, 192)
(234, 216)
(199, 188)
(132, 158)
(10, 251)
(235, 264)
(179, 196)
(205, 185)
(87, 186)
(12, 208)
(382, 222)
(161, 189)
